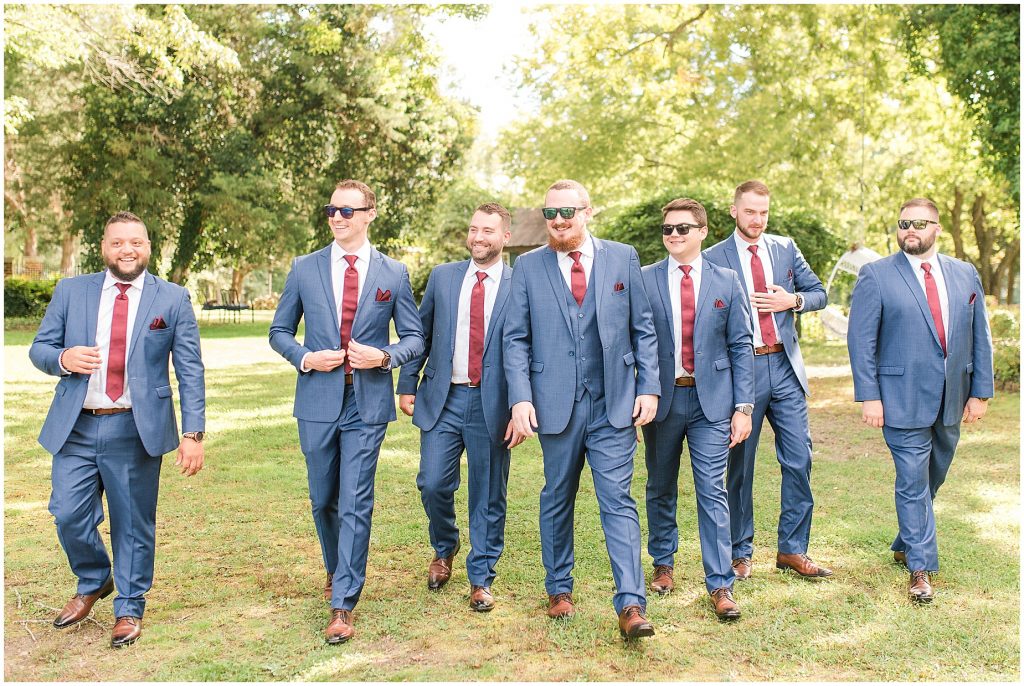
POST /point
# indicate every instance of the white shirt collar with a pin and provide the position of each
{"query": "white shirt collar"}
(109, 280)
(338, 253)
(697, 264)
(916, 261)
(494, 271)
(586, 248)
(742, 245)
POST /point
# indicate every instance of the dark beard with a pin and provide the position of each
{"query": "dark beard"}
(568, 245)
(921, 248)
(140, 266)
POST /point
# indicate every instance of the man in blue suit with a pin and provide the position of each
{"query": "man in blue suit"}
(108, 336)
(348, 293)
(779, 282)
(921, 355)
(463, 403)
(706, 360)
(582, 367)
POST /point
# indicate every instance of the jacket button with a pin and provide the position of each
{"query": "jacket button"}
(572, 354)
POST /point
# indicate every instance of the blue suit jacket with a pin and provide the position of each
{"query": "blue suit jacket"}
(894, 347)
(539, 342)
(71, 320)
(722, 340)
(308, 292)
(439, 313)
(792, 272)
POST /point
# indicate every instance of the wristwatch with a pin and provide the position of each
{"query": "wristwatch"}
(196, 436)
(385, 364)
(745, 408)
(799, 302)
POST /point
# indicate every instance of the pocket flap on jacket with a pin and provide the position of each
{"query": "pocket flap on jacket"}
(970, 367)
(628, 358)
(163, 391)
(428, 372)
(536, 367)
(891, 371)
(723, 363)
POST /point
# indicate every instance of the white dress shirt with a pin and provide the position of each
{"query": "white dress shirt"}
(338, 266)
(460, 363)
(586, 259)
(675, 279)
(940, 284)
(748, 280)
(96, 395)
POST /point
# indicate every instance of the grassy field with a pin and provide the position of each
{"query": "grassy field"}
(238, 569)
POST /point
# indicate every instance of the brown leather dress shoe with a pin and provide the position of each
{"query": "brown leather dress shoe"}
(662, 583)
(440, 570)
(560, 606)
(921, 587)
(480, 598)
(340, 629)
(900, 556)
(725, 606)
(329, 587)
(633, 623)
(127, 630)
(80, 605)
(742, 566)
(802, 565)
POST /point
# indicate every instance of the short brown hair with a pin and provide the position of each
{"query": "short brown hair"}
(569, 184)
(369, 198)
(687, 205)
(124, 217)
(920, 202)
(752, 186)
(495, 208)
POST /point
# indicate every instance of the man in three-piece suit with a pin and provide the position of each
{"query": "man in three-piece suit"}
(348, 294)
(779, 282)
(582, 367)
(462, 403)
(921, 355)
(108, 336)
(706, 361)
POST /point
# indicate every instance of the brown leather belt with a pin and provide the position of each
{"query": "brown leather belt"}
(769, 349)
(106, 410)
(348, 379)
(466, 384)
(687, 381)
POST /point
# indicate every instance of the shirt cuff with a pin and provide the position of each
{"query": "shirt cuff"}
(302, 365)
(63, 371)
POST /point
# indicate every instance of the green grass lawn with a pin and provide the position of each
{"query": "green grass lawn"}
(237, 594)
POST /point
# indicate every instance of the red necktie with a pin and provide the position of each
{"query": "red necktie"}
(932, 290)
(764, 319)
(476, 330)
(686, 315)
(578, 278)
(118, 333)
(349, 300)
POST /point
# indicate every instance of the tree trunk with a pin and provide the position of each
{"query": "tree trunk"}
(984, 239)
(955, 216)
(1013, 258)
(31, 245)
(68, 250)
(237, 279)
(188, 244)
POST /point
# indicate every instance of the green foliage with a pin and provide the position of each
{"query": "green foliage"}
(639, 225)
(27, 297)
(1005, 346)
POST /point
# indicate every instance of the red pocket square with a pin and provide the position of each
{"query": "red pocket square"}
(619, 287)
(719, 304)
(158, 323)
(383, 296)
(789, 275)
(974, 296)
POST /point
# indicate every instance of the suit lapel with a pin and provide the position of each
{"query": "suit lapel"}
(954, 295)
(907, 272)
(706, 277)
(323, 262)
(600, 275)
(142, 314)
(550, 259)
(733, 257)
(92, 306)
(666, 299)
(369, 286)
(500, 298)
(454, 291)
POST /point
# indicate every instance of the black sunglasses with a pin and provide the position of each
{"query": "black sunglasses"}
(683, 229)
(919, 224)
(566, 212)
(346, 212)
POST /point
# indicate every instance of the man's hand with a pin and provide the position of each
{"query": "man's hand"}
(364, 356)
(739, 428)
(644, 409)
(872, 414)
(975, 410)
(524, 419)
(777, 299)
(513, 437)
(325, 360)
(190, 456)
(406, 403)
(81, 359)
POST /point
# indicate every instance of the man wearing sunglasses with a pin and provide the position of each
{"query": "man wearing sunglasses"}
(582, 364)
(462, 403)
(348, 293)
(706, 361)
(921, 354)
(779, 282)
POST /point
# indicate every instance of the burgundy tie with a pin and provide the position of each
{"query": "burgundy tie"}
(578, 278)
(476, 330)
(686, 314)
(118, 332)
(349, 300)
(764, 319)
(932, 290)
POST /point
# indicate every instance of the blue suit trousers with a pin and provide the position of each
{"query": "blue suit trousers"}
(105, 453)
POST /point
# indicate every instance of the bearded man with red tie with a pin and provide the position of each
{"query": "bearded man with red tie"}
(921, 355)
(109, 336)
